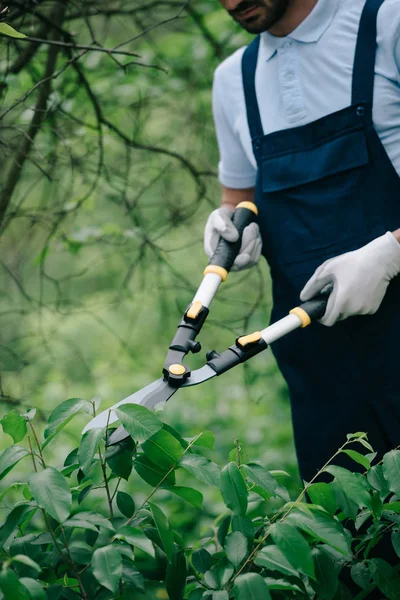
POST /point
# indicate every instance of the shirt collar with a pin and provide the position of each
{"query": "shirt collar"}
(310, 30)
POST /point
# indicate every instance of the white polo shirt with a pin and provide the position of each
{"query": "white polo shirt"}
(303, 77)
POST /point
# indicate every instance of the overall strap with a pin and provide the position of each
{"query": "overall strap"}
(249, 66)
(364, 61)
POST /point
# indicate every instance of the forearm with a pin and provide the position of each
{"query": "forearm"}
(231, 197)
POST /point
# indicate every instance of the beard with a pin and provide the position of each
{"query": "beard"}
(256, 16)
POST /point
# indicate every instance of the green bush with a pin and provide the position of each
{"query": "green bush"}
(72, 532)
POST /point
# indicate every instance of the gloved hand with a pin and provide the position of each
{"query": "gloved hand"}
(360, 279)
(219, 224)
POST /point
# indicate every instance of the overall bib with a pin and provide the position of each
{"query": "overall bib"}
(323, 189)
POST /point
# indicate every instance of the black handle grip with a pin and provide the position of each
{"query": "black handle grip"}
(316, 307)
(226, 252)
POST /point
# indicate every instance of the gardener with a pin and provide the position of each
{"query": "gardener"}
(308, 125)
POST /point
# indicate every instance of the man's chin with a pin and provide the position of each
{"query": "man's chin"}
(254, 25)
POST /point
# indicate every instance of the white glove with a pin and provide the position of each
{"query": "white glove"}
(219, 224)
(360, 279)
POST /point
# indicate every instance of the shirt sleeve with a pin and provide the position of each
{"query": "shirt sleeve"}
(235, 169)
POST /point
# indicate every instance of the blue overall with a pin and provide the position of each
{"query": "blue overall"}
(323, 189)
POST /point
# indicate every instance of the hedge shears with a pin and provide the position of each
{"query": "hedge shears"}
(176, 374)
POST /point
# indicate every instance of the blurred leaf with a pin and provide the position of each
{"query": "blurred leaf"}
(139, 421)
(36, 590)
(10, 457)
(244, 525)
(395, 541)
(80, 524)
(323, 495)
(88, 447)
(13, 424)
(273, 559)
(236, 548)
(359, 458)
(205, 439)
(11, 586)
(151, 473)
(251, 587)
(62, 415)
(202, 468)
(107, 567)
(136, 538)
(391, 470)
(189, 494)
(94, 518)
(385, 577)
(261, 477)
(133, 577)
(80, 552)
(13, 519)
(281, 584)
(223, 529)
(294, 547)
(163, 449)
(6, 29)
(326, 575)
(201, 560)
(27, 561)
(50, 490)
(233, 489)
(321, 527)
(163, 529)
(126, 504)
(176, 576)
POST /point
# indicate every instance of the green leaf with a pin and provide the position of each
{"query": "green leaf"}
(201, 560)
(139, 421)
(354, 485)
(176, 576)
(321, 527)
(62, 415)
(202, 468)
(326, 575)
(80, 552)
(189, 494)
(120, 463)
(133, 577)
(80, 524)
(294, 547)
(163, 528)
(50, 490)
(261, 477)
(391, 470)
(36, 591)
(27, 561)
(14, 518)
(126, 504)
(281, 584)
(361, 575)
(151, 473)
(223, 529)
(205, 439)
(163, 449)
(272, 558)
(359, 458)
(244, 525)
(13, 424)
(11, 586)
(386, 579)
(347, 506)
(135, 538)
(10, 457)
(233, 489)
(251, 587)
(396, 541)
(107, 567)
(323, 495)
(6, 29)
(235, 548)
(88, 447)
(377, 479)
(94, 518)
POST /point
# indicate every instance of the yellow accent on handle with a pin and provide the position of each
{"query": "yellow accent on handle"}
(252, 338)
(194, 310)
(223, 273)
(303, 316)
(250, 205)
(177, 369)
